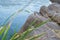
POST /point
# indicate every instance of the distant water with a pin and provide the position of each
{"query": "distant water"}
(8, 7)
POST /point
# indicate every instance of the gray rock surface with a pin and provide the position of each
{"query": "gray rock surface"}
(52, 28)
(52, 11)
(48, 27)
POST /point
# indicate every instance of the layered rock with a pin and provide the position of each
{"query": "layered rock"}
(52, 28)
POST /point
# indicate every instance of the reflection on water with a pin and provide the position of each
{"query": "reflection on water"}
(8, 7)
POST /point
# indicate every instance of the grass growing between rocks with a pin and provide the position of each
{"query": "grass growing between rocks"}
(7, 24)
(4, 30)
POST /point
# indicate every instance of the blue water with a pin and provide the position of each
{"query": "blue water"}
(8, 7)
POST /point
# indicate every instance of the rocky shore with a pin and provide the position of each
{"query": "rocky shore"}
(52, 28)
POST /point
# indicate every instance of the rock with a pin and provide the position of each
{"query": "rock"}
(55, 28)
(57, 32)
(53, 25)
(52, 11)
(54, 16)
(48, 27)
(54, 7)
(52, 28)
(55, 1)
(43, 11)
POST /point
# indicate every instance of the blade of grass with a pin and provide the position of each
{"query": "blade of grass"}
(32, 23)
(6, 31)
(2, 30)
(13, 37)
(24, 34)
(36, 36)
(42, 23)
(29, 25)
